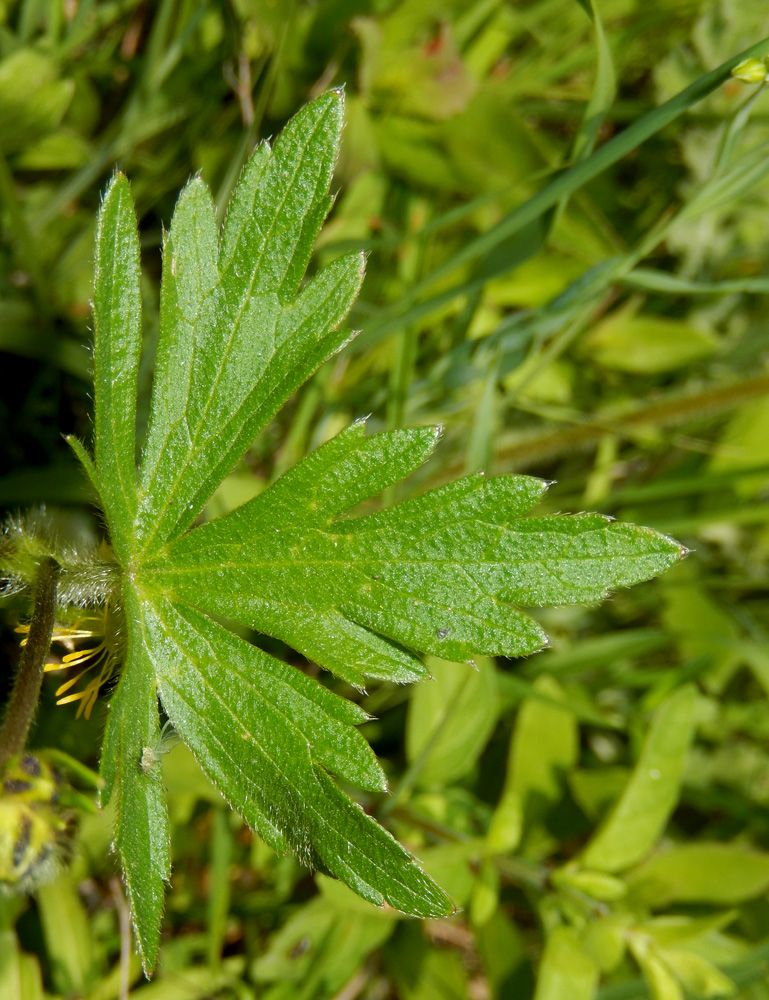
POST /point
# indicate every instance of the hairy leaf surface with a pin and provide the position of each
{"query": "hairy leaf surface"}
(267, 738)
(117, 343)
(444, 573)
(142, 837)
(236, 340)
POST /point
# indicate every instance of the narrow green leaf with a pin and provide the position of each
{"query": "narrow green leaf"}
(220, 889)
(662, 984)
(647, 344)
(601, 99)
(669, 931)
(250, 736)
(647, 279)
(323, 943)
(604, 89)
(251, 341)
(117, 343)
(640, 815)
(141, 831)
(698, 976)
(20, 977)
(572, 180)
(502, 950)
(422, 972)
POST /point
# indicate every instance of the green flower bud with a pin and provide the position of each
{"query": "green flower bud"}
(751, 70)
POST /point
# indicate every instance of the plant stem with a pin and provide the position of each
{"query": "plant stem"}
(26, 690)
(519, 451)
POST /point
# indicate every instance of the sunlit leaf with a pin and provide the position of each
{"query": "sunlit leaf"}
(363, 591)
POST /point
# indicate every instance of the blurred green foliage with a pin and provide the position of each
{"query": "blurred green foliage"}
(597, 812)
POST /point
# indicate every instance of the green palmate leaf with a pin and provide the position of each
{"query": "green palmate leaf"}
(364, 594)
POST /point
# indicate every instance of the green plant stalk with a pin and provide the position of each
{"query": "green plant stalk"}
(251, 134)
(593, 308)
(26, 690)
(674, 409)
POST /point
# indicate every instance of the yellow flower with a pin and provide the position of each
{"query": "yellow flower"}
(102, 657)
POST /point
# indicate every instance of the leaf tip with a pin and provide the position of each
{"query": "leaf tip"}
(117, 180)
(116, 177)
(676, 550)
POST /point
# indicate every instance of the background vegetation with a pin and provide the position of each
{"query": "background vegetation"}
(612, 335)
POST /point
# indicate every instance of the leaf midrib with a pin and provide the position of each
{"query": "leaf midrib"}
(127, 489)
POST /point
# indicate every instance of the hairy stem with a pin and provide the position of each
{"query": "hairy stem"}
(26, 690)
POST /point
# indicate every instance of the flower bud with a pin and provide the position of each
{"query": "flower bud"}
(751, 70)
